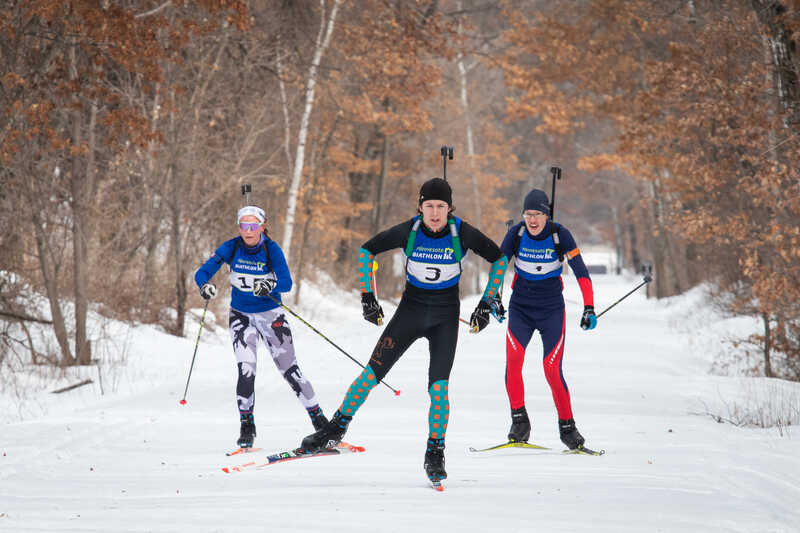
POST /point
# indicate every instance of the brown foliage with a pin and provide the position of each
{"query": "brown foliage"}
(690, 90)
(127, 127)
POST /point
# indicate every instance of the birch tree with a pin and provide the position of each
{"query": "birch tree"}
(323, 40)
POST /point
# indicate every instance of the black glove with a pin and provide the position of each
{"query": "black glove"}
(589, 319)
(263, 286)
(480, 316)
(208, 291)
(496, 305)
(371, 308)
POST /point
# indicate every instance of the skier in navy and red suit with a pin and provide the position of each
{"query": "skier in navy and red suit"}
(537, 303)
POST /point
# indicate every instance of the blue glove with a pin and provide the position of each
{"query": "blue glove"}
(497, 309)
(589, 319)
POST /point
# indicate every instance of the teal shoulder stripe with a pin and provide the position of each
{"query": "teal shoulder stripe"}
(365, 258)
(412, 237)
(496, 275)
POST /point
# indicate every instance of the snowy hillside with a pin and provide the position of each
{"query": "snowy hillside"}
(135, 460)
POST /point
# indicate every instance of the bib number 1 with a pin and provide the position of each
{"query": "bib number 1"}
(245, 282)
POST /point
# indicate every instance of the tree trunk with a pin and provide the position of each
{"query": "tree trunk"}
(287, 129)
(376, 220)
(177, 257)
(785, 57)
(79, 250)
(767, 346)
(81, 184)
(360, 185)
(669, 282)
(618, 234)
(152, 222)
(148, 279)
(308, 201)
(476, 195)
(51, 288)
(359, 192)
(322, 42)
(633, 245)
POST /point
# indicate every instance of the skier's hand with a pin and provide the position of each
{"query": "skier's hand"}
(480, 316)
(263, 286)
(208, 291)
(589, 319)
(371, 308)
(496, 305)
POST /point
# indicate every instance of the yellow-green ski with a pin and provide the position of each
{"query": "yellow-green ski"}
(511, 444)
(580, 450)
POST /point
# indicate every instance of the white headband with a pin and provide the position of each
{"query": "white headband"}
(251, 210)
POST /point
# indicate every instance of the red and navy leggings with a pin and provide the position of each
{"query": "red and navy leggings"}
(524, 318)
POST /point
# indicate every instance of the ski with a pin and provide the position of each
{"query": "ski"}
(510, 444)
(582, 450)
(437, 486)
(293, 455)
(242, 450)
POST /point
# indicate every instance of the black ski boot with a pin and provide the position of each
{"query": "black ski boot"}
(247, 431)
(520, 426)
(434, 460)
(569, 434)
(317, 418)
(329, 435)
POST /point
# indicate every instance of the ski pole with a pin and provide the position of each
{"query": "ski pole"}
(375, 285)
(447, 153)
(509, 223)
(556, 175)
(196, 344)
(647, 279)
(315, 330)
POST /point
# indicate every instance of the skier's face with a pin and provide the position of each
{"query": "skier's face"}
(434, 213)
(535, 221)
(250, 229)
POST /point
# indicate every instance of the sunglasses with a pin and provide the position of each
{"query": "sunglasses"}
(534, 214)
(249, 226)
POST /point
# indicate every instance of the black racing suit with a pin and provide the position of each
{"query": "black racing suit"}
(432, 314)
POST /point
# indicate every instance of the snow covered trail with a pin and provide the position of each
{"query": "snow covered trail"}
(141, 462)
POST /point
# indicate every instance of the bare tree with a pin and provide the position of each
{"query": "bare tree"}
(323, 40)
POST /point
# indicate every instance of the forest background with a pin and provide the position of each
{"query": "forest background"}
(128, 127)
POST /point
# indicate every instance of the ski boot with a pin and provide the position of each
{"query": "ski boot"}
(247, 431)
(520, 426)
(434, 460)
(569, 434)
(329, 435)
(317, 418)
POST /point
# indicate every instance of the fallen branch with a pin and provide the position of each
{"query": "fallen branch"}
(24, 318)
(75, 386)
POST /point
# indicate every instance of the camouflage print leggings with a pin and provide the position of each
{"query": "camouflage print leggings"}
(271, 326)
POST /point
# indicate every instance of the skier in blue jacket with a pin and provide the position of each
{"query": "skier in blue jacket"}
(540, 246)
(258, 276)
